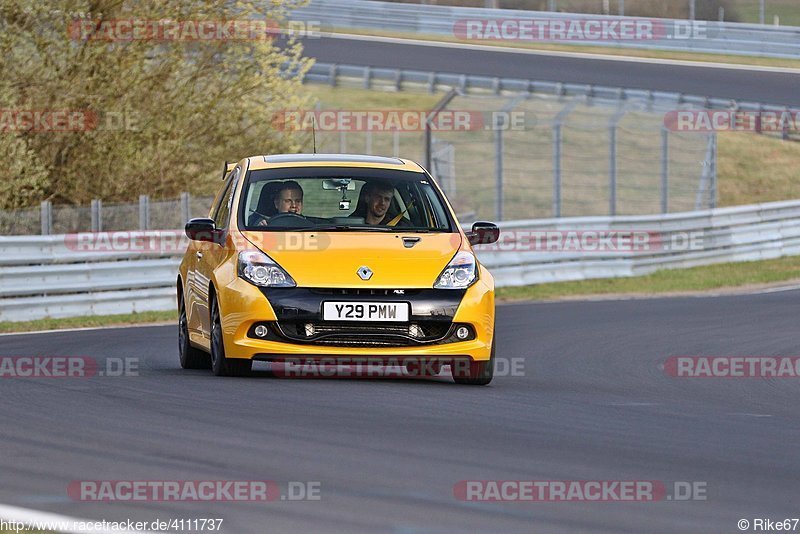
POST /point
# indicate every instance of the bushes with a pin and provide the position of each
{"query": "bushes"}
(162, 115)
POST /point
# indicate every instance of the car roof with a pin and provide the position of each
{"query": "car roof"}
(332, 160)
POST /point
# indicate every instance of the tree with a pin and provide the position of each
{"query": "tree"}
(153, 114)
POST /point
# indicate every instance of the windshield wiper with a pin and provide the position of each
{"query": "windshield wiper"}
(341, 227)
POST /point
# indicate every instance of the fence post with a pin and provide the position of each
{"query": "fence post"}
(47, 217)
(557, 170)
(664, 170)
(144, 212)
(185, 207)
(97, 215)
(498, 173)
(428, 139)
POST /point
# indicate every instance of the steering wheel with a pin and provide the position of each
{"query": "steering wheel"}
(289, 219)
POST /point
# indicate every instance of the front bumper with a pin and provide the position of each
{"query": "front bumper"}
(244, 306)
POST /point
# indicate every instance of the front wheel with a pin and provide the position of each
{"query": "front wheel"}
(474, 373)
(220, 365)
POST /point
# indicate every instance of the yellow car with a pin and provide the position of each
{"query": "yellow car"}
(342, 259)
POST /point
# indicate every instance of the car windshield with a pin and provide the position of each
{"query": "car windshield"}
(337, 199)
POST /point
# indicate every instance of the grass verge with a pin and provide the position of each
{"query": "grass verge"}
(88, 322)
(724, 276)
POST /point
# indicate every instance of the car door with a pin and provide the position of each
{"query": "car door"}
(212, 254)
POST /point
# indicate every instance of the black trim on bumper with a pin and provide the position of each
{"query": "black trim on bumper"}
(305, 304)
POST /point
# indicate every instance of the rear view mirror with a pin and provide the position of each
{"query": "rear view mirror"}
(202, 230)
(483, 233)
(332, 184)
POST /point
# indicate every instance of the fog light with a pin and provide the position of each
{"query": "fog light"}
(415, 331)
(462, 332)
(260, 331)
(309, 329)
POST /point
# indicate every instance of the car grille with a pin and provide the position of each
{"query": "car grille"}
(364, 334)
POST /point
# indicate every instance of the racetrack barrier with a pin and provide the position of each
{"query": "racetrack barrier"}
(47, 276)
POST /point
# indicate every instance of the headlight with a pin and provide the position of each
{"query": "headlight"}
(261, 270)
(461, 272)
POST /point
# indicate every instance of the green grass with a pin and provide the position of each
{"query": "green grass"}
(787, 10)
(696, 279)
(88, 322)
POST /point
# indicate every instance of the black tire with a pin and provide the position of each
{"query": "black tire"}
(190, 357)
(220, 365)
(474, 373)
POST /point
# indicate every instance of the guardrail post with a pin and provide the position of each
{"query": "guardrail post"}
(398, 80)
(498, 172)
(621, 8)
(47, 217)
(557, 170)
(762, 12)
(367, 78)
(97, 215)
(551, 5)
(186, 207)
(432, 82)
(369, 142)
(396, 143)
(332, 75)
(144, 212)
(692, 9)
(342, 142)
(664, 170)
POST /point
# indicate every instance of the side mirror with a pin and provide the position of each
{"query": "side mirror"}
(202, 230)
(483, 233)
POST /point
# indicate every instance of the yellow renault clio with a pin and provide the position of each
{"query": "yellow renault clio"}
(335, 258)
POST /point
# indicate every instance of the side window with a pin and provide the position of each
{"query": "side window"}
(223, 212)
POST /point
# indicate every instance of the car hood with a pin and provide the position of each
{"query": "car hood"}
(333, 259)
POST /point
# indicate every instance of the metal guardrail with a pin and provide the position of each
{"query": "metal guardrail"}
(716, 37)
(45, 276)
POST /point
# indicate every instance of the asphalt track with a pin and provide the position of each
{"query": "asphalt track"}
(779, 88)
(592, 404)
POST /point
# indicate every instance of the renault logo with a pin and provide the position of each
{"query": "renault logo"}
(365, 272)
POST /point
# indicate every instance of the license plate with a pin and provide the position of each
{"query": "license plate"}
(365, 311)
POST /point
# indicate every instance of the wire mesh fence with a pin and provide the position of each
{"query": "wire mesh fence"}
(99, 217)
(514, 156)
(537, 156)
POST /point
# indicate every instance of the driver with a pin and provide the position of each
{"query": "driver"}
(288, 199)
